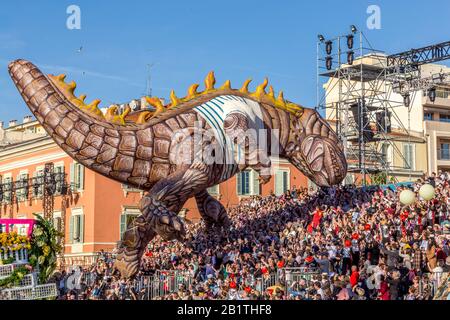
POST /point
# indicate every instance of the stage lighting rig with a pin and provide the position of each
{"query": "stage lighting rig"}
(353, 28)
(350, 57)
(329, 63)
(432, 94)
(329, 47)
(407, 100)
(321, 38)
(350, 41)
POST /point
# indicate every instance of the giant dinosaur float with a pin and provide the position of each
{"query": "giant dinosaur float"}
(143, 149)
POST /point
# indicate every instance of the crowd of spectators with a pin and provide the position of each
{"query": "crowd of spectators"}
(349, 243)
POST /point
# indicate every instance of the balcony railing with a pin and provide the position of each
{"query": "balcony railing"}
(443, 154)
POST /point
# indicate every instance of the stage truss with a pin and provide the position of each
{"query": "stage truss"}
(362, 100)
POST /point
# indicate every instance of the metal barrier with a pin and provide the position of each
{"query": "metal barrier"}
(162, 283)
(285, 278)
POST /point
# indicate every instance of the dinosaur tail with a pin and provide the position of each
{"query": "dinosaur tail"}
(101, 146)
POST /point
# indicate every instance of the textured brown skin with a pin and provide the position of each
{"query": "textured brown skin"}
(143, 156)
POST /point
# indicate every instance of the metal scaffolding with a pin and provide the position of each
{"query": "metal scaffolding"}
(359, 99)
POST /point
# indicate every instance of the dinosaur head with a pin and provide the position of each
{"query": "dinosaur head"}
(316, 150)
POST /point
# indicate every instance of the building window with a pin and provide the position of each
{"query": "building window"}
(444, 152)
(7, 188)
(386, 154)
(247, 183)
(427, 116)
(443, 93)
(77, 176)
(57, 223)
(127, 188)
(408, 154)
(38, 183)
(444, 117)
(22, 187)
(59, 177)
(76, 226)
(126, 218)
(214, 190)
(281, 181)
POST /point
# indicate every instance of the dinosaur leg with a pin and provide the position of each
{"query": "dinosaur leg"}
(211, 210)
(159, 209)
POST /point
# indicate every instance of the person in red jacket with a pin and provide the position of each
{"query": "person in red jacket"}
(354, 277)
(383, 292)
(316, 218)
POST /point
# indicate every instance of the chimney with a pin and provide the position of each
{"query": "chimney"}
(12, 123)
(27, 119)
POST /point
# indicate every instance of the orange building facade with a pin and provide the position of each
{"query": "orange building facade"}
(96, 210)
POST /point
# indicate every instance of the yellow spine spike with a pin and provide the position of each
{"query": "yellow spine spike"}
(121, 117)
(210, 81)
(61, 77)
(155, 102)
(226, 85)
(280, 99)
(143, 117)
(95, 103)
(260, 90)
(192, 91)
(271, 95)
(110, 113)
(174, 101)
(244, 88)
(271, 92)
(112, 116)
(71, 87)
(82, 97)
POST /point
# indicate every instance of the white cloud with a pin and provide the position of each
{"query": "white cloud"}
(9, 42)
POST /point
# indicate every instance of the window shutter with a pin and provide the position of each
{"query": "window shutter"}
(41, 183)
(81, 176)
(213, 190)
(123, 225)
(239, 183)
(278, 182)
(8, 193)
(255, 182)
(72, 176)
(18, 186)
(71, 223)
(82, 228)
(285, 181)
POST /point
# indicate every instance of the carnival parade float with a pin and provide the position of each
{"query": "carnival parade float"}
(28, 257)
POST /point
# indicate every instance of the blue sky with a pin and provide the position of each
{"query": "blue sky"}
(187, 39)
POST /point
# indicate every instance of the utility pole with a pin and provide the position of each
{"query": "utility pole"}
(148, 90)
